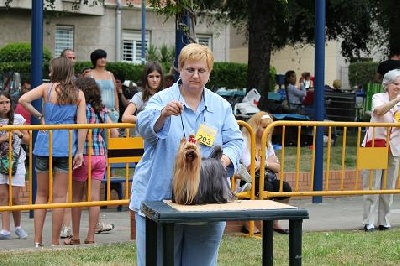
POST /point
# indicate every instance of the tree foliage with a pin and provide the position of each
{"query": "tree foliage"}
(272, 24)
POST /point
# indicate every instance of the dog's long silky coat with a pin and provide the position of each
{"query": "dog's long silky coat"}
(199, 180)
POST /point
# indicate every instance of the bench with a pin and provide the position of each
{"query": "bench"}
(123, 153)
(341, 106)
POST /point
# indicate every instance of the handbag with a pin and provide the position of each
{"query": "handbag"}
(5, 164)
(376, 143)
(269, 176)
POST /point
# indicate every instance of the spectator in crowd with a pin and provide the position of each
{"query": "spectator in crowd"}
(169, 116)
(8, 117)
(66, 226)
(384, 108)
(21, 110)
(337, 86)
(152, 80)
(295, 95)
(106, 81)
(306, 80)
(259, 122)
(68, 53)
(392, 63)
(126, 89)
(63, 103)
(96, 114)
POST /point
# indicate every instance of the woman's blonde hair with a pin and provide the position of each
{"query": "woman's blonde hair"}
(196, 52)
(254, 122)
(337, 84)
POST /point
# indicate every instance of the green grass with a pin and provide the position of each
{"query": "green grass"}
(319, 248)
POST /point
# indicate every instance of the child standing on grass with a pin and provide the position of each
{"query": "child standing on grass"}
(7, 117)
(96, 113)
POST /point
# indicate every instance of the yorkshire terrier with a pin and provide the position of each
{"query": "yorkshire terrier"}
(198, 180)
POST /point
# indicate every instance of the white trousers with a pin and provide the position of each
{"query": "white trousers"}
(379, 203)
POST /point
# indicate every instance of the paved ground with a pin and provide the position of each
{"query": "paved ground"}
(342, 213)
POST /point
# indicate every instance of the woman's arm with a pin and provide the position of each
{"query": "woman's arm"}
(128, 116)
(27, 98)
(383, 107)
(124, 100)
(272, 163)
(81, 119)
(113, 131)
(297, 92)
(23, 135)
(115, 93)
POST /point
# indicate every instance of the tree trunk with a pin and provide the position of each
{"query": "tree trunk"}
(394, 29)
(260, 27)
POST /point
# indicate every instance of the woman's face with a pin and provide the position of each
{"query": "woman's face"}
(393, 88)
(195, 75)
(292, 79)
(261, 127)
(5, 106)
(154, 80)
(101, 62)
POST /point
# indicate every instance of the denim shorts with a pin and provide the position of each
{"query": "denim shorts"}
(114, 115)
(60, 164)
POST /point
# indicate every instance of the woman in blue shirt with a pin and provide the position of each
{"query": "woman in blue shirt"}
(63, 103)
(183, 109)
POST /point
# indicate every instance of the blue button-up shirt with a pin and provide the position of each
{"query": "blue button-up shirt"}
(152, 180)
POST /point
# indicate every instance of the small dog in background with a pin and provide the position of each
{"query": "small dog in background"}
(198, 180)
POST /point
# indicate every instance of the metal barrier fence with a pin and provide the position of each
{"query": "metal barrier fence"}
(353, 160)
(50, 128)
(293, 169)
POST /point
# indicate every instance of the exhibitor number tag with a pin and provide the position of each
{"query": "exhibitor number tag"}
(206, 135)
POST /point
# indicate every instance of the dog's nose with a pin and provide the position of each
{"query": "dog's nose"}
(190, 155)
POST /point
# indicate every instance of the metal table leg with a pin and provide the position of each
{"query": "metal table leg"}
(295, 238)
(268, 243)
(151, 243)
(168, 244)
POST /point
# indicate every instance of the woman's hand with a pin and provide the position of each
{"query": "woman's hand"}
(174, 107)
(5, 137)
(78, 160)
(272, 159)
(225, 160)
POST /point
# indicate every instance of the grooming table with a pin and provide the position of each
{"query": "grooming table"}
(168, 214)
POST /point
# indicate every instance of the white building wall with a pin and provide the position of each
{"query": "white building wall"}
(98, 31)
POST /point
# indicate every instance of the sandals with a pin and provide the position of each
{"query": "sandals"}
(102, 227)
(245, 230)
(71, 241)
(88, 241)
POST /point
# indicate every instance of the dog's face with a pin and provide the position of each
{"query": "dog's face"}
(190, 150)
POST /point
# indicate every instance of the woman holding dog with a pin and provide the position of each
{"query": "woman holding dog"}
(177, 112)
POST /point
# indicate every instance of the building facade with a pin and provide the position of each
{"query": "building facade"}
(115, 28)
